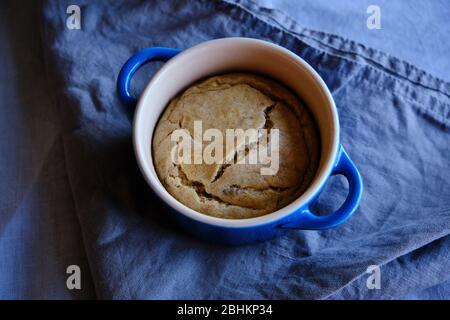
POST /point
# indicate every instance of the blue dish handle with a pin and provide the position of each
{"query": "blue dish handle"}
(134, 63)
(308, 220)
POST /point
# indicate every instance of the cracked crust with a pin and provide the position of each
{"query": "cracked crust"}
(230, 190)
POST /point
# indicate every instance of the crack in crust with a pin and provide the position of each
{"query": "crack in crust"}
(200, 189)
(234, 187)
(268, 125)
(221, 170)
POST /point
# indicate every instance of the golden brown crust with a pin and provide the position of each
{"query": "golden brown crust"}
(236, 191)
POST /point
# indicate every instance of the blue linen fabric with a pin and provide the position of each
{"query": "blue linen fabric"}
(39, 230)
(395, 122)
(413, 30)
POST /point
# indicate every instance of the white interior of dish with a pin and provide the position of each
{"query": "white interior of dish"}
(221, 56)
